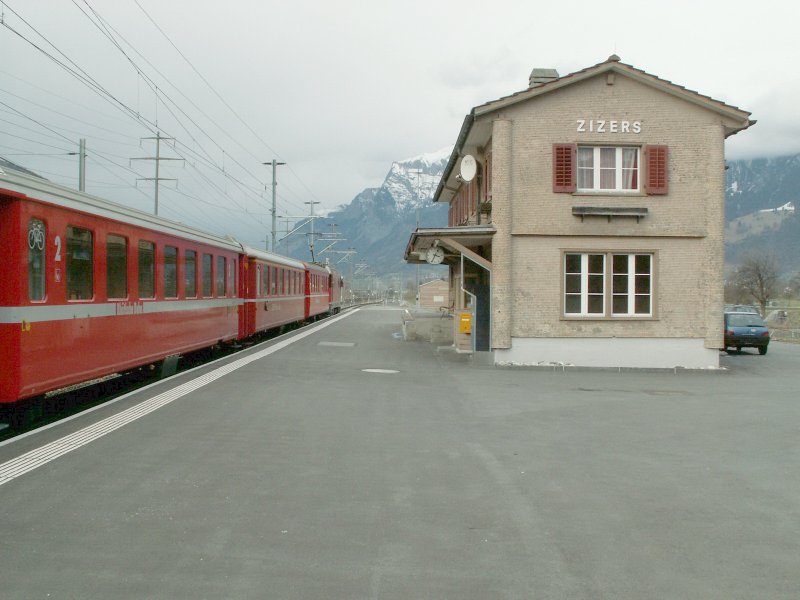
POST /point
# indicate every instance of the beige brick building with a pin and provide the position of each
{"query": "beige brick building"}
(586, 221)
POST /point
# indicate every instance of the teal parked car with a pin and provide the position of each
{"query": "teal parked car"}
(746, 330)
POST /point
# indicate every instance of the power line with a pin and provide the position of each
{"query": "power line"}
(85, 78)
(241, 120)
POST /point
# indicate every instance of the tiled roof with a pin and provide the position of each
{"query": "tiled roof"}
(609, 63)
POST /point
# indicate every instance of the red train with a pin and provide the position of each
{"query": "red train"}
(89, 288)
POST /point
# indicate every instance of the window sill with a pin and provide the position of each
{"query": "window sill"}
(606, 318)
(611, 193)
(609, 212)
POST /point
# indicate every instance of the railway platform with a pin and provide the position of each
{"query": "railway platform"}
(341, 461)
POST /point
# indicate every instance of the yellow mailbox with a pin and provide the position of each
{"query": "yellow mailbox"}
(465, 323)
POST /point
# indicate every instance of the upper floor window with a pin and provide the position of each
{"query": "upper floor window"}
(610, 169)
(605, 168)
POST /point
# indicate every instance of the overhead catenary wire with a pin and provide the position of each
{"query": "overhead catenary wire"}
(107, 31)
(201, 155)
(71, 71)
(241, 120)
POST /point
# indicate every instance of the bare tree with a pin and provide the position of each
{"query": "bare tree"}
(794, 285)
(758, 275)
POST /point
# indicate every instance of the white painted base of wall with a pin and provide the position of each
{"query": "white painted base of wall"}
(637, 353)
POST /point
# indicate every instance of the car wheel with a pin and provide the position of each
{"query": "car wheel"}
(763, 350)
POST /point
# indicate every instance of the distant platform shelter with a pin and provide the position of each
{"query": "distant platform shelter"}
(586, 221)
(434, 294)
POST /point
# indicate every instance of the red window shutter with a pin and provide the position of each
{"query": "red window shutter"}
(564, 159)
(657, 163)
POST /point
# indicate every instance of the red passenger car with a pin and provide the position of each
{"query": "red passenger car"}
(317, 296)
(89, 287)
(274, 290)
(335, 291)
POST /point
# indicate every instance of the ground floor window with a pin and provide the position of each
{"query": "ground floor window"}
(632, 284)
(590, 290)
(584, 284)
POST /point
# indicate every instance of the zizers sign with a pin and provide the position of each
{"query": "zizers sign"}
(611, 126)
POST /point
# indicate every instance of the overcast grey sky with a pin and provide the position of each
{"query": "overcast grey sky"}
(339, 90)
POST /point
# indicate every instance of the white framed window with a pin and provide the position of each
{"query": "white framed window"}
(608, 169)
(628, 293)
(632, 285)
(584, 284)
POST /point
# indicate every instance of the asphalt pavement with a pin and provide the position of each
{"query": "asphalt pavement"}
(344, 462)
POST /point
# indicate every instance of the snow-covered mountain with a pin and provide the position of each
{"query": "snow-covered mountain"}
(378, 221)
(412, 182)
(759, 185)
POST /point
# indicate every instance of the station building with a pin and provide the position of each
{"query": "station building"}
(586, 222)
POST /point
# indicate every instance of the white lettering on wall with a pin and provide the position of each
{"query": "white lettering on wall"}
(605, 126)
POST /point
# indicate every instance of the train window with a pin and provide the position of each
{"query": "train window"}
(259, 289)
(80, 260)
(116, 266)
(36, 257)
(190, 274)
(170, 272)
(220, 276)
(206, 274)
(233, 273)
(273, 281)
(147, 269)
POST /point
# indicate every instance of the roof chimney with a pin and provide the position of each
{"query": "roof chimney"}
(540, 76)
